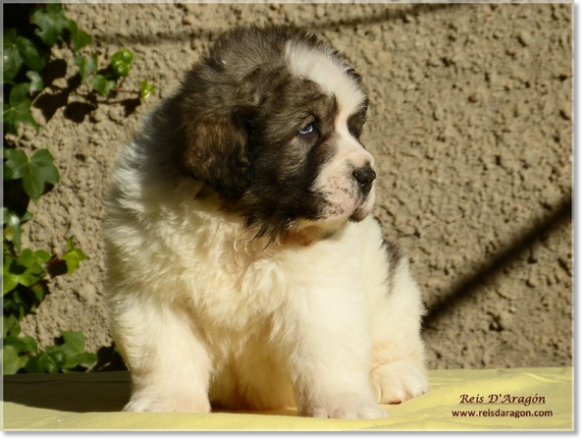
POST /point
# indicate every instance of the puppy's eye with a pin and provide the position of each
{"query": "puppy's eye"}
(308, 129)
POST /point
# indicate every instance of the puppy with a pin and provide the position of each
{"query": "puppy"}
(244, 267)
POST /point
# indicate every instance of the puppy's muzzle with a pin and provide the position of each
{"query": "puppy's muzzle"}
(364, 176)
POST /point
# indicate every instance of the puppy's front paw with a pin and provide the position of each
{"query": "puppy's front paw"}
(167, 405)
(345, 408)
(399, 381)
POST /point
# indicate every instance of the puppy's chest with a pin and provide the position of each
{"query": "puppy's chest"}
(236, 280)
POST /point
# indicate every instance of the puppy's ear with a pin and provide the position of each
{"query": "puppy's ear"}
(214, 150)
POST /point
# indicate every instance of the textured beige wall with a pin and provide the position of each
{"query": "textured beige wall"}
(471, 125)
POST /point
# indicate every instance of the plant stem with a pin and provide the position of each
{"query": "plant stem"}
(119, 88)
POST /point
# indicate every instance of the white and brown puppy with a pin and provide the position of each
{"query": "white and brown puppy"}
(244, 268)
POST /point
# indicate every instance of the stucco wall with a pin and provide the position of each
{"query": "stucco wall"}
(471, 125)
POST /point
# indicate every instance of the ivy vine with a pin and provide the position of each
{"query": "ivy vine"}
(27, 52)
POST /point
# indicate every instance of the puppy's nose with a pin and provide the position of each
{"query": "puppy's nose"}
(365, 176)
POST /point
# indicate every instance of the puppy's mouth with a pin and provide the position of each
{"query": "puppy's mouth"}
(347, 193)
(358, 215)
(363, 209)
(335, 214)
(355, 207)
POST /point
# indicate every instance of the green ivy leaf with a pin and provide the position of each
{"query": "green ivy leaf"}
(10, 233)
(72, 352)
(39, 291)
(103, 85)
(15, 115)
(42, 171)
(121, 69)
(28, 257)
(16, 303)
(146, 89)
(121, 62)
(25, 344)
(9, 37)
(14, 164)
(73, 256)
(55, 7)
(87, 65)
(12, 63)
(79, 38)
(36, 82)
(11, 55)
(10, 326)
(7, 213)
(36, 173)
(26, 217)
(12, 230)
(11, 361)
(10, 280)
(18, 93)
(29, 54)
(42, 363)
(84, 360)
(124, 56)
(27, 270)
(75, 340)
(32, 275)
(51, 22)
(58, 354)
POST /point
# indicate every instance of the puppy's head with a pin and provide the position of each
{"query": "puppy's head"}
(271, 121)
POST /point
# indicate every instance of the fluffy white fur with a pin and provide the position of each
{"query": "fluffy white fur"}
(202, 310)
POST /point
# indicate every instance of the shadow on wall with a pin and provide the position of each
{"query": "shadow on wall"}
(202, 31)
(59, 97)
(467, 285)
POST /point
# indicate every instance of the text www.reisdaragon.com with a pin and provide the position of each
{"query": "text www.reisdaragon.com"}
(516, 414)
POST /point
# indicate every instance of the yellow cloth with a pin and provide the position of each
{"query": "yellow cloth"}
(90, 402)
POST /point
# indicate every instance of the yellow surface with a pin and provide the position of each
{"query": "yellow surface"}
(90, 402)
